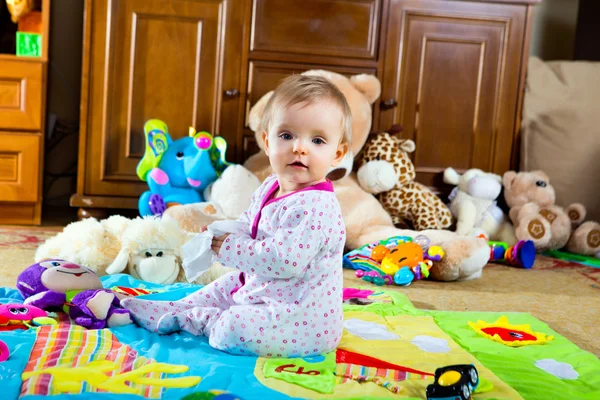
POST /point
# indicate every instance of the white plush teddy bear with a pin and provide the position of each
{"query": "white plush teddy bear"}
(473, 202)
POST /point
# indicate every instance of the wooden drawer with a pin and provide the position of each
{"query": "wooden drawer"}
(19, 167)
(21, 95)
(344, 28)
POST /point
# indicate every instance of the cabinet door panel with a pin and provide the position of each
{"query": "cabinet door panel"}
(453, 68)
(21, 95)
(156, 59)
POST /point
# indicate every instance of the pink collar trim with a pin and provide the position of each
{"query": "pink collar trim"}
(326, 186)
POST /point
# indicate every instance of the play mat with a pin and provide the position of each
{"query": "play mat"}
(389, 349)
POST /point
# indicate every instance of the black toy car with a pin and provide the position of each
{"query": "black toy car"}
(454, 382)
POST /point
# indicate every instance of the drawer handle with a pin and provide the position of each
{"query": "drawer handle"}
(232, 93)
(388, 104)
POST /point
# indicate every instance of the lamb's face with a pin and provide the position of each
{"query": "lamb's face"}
(155, 265)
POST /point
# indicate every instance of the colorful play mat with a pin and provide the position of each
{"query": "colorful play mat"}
(389, 350)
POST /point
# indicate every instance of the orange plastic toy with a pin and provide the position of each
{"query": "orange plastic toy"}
(404, 255)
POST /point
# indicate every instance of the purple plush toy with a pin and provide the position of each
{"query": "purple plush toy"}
(53, 284)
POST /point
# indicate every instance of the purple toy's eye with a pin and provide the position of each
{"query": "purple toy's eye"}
(13, 310)
(51, 264)
(23, 310)
(203, 141)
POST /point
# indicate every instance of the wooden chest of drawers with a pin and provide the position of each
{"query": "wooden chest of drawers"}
(22, 120)
(452, 73)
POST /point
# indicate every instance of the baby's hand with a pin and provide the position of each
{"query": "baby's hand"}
(217, 242)
(203, 228)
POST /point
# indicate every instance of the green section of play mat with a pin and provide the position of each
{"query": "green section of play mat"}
(516, 366)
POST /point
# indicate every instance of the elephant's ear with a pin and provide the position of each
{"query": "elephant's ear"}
(217, 155)
(158, 140)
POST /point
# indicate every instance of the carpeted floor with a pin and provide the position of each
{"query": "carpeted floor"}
(565, 295)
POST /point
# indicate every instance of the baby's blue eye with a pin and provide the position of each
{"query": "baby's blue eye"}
(286, 136)
(318, 141)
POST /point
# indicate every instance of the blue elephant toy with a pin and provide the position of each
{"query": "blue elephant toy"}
(177, 171)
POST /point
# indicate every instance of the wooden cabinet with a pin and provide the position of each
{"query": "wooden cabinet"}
(152, 59)
(22, 127)
(453, 69)
(452, 73)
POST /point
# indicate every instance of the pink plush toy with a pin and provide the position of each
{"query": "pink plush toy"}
(22, 316)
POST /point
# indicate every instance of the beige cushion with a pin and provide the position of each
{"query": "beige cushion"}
(561, 129)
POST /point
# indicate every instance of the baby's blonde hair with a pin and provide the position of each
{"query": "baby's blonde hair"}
(301, 88)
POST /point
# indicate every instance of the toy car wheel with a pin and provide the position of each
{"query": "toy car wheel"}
(474, 377)
(466, 392)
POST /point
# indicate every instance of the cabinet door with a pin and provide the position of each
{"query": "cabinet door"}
(264, 76)
(172, 60)
(452, 68)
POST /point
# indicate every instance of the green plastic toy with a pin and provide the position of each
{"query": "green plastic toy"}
(29, 44)
(590, 261)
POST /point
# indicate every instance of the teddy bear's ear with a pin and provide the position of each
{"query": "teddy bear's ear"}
(451, 177)
(257, 111)
(508, 179)
(407, 145)
(541, 174)
(368, 85)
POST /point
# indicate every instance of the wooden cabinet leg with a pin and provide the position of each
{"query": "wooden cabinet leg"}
(98, 213)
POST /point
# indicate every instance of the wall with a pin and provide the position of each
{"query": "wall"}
(553, 32)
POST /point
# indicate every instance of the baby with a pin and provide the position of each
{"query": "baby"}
(286, 298)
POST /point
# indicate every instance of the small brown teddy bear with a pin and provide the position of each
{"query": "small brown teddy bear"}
(533, 212)
(386, 170)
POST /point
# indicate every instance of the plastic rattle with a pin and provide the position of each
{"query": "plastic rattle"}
(404, 255)
(4, 352)
(379, 252)
(202, 140)
(404, 276)
(521, 254)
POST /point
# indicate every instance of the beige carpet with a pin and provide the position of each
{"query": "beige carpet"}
(564, 295)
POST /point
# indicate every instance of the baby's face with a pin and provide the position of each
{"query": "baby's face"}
(303, 142)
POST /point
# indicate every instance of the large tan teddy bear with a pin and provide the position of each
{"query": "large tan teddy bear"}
(365, 218)
(386, 170)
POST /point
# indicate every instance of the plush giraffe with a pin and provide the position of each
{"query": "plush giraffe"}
(385, 169)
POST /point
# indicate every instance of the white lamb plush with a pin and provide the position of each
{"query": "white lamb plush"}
(147, 248)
